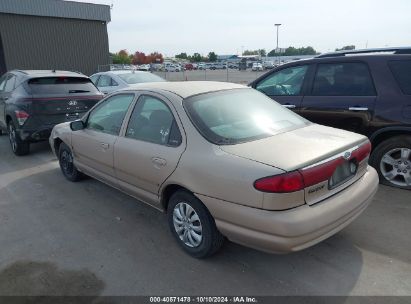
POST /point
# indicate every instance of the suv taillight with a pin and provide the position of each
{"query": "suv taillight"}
(21, 116)
(300, 179)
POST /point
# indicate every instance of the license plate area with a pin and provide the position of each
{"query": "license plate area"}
(343, 173)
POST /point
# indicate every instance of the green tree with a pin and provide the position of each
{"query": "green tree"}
(346, 48)
(292, 51)
(182, 56)
(212, 56)
(196, 57)
(121, 57)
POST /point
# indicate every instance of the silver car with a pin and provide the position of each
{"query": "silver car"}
(108, 82)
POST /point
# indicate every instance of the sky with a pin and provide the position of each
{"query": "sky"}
(227, 27)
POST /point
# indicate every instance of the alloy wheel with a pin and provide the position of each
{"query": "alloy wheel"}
(395, 166)
(66, 161)
(187, 224)
(12, 137)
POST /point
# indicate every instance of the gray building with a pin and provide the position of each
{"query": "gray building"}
(53, 34)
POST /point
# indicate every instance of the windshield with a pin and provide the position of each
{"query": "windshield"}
(239, 115)
(132, 78)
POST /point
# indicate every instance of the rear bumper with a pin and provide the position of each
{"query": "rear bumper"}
(40, 134)
(297, 228)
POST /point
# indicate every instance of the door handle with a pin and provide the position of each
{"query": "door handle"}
(104, 146)
(358, 109)
(158, 162)
(289, 106)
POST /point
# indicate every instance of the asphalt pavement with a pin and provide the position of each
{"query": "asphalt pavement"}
(85, 238)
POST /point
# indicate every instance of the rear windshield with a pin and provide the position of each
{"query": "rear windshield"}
(61, 85)
(402, 73)
(131, 78)
(239, 115)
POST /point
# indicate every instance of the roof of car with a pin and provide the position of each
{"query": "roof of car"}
(187, 88)
(48, 73)
(117, 72)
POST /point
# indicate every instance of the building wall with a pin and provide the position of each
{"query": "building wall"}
(33, 42)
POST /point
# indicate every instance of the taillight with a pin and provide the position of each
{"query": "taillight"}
(362, 152)
(288, 182)
(21, 117)
(302, 178)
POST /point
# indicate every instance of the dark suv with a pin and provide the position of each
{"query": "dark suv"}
(33, 102)
(364, 91)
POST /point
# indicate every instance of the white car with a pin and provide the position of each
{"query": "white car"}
(268, 65)
(257, 67)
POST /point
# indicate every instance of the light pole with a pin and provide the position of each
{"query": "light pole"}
(277, 25)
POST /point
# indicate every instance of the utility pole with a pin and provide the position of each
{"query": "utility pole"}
(277, 25)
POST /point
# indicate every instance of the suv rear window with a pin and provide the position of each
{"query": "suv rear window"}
(343, 79)
(402, 73)
(61, 85)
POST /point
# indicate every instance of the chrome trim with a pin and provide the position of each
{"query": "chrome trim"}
(358, 109)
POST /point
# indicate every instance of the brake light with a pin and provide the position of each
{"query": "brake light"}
(300, 179)
(21, 117)
(288, 182)
(362, 152)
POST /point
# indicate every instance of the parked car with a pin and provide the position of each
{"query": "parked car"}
(32, 102)
(222, 159)
(268, 65)
(359, 91)
(144, 67)
(202, 66)
(108, 82)
(257, 66)
(189, 66)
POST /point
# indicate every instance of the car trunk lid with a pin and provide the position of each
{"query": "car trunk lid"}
(312, 151)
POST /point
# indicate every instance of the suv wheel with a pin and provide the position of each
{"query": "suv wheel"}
(193, 226)
(392, 159)
(18, 146)
(66, 164)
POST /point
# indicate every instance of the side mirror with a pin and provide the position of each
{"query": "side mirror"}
(77, 125)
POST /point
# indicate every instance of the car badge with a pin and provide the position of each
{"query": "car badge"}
(347, 155)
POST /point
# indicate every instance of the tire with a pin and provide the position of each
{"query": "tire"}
(392, 160)
(198, 223)
(66, 164)
(18, 146)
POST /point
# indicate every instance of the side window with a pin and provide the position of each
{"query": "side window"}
(153, 121)
(94, 79)
(402, 73)
(11, 80)
(108, 116)
(286, 82)
(3, 82)
(113, 82)
(104, 81)
(343, 79)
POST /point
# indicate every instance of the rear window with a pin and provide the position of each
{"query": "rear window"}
(402, 73)
(61, 85)
(132, 78)
(239, 115)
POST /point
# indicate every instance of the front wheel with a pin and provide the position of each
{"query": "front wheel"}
(193, 226)
(18, 146)
(66, 164)
(392, 160)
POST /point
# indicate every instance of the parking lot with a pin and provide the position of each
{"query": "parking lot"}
(230, 75)
(86, 238)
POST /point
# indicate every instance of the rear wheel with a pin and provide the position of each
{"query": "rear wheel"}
(392, 160)
(193, 226)
(18, 146)
(66, 164)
